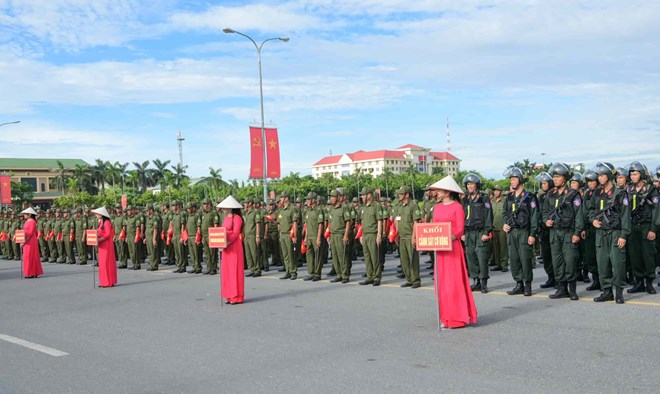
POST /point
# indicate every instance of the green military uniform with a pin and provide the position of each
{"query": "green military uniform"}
(119, 224)
(384, 216)
(16, 225)
(546, 249)
(210, 218)
(166, 217)
(521, 214)
(338, 216)
(133, 224)
(251, 224)
(193, 225)
(43, 245)
(500, 250)
(370, 219)
(314, 218)
(263, 236)
(406, 215)
(564, 208)
(49, 228)
(59, 235)
(297, 255)
(80, 228)
(287, 217)
(179, 219)
(478, 223)
(152, 229)
(273, 243)
(69, 227)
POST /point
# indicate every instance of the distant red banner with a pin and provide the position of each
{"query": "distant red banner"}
(91, 238)
(217, 237)
(272, 145)
(124, 201)
(5, 189)
(433, 236)
(19, 236)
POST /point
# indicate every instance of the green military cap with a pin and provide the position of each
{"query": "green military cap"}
(497, 187)
(206, 201)
(58, 210)
(404, 189)
(284, 194)
(117, 206)
(389, 199)
(298, 200)
(383, 199)
(78, 210)
(249, 200)
(366, 190)
(190, 206)
(165, 204)
(320, 200)
(334, 193)
(310, 195)
(355, 199)
(341, 191)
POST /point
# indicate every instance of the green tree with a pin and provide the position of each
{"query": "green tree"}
(21, 193)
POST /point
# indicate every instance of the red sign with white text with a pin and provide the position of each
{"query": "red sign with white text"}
(433, 236)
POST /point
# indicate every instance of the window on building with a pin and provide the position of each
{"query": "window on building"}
(43, 188)
(32, 182)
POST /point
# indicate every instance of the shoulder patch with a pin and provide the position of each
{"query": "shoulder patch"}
(656, 199)
(625, 201)
(577, 202)
(487, 205)
(533, 204)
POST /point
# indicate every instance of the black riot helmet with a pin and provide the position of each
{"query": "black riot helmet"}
(622, 171)
(578, 178)
(561, 169)
(472, 178)
(641, 168)
(608, 169)
(590, 175)
(544, 176)
(515, 172)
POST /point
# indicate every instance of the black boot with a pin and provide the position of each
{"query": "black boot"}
(332, 272)
(638, 287)
(649, 286)
(585, 276)
(484, 286)
(549, 283)
(596, 285)
(519, 289)
(619, 295)
(476, 284)
(630, 279)
(528, 289)
(579, 276)
(606, 296)
(562, 291)
(572, 293)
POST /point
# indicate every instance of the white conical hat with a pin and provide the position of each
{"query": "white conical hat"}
(101, 211)
(30, 211)
(230, 203)
(447, 183)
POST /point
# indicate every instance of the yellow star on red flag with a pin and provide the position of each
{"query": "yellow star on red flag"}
(272, 144)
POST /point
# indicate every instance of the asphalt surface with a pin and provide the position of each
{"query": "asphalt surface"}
(159, 332)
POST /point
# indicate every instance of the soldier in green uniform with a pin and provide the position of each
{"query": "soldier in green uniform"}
(69, 235)
(3, 247)
(562, 214)
(133, 224)
(478, 227)
(407, 214)
(521, 220)
(323, 249)
(59, 235)
(588, 244)
(340, 226)
(179, 219)
(263, 237)
(609, 213)
(80, 222)
(119, 224)
(43, 245)
(357, 245)
(193, 225)
(287, 218)
(384, 216)
(166, 216)
(210, 218)
(500, 250)
(313, 219)
(372, 234)
(252, 239)
(298, 257)
(49, 231)
(644, 199)
(16, 224)
(152, 238)
(547, 184)
(273, 235)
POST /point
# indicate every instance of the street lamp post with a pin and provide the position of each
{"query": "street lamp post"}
(261, 95)
(4, 124)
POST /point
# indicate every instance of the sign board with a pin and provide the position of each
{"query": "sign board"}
(433, 236)
(91, 238)
(19, 235)
(217, 237)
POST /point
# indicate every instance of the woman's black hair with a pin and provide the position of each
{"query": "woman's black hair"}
(237, 212)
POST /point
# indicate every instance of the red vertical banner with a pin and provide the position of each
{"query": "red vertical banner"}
(256, 153)
(273, 149)
(124, 201)
(5, 189)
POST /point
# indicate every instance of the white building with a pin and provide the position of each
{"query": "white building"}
(397, 161)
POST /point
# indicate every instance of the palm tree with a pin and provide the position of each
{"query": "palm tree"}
(100, 173)
(121, 169)
(159, 171)
(61, 177)
(113, 173)
(143, 174)
(84, 178)
(179, 174)
(214, 179)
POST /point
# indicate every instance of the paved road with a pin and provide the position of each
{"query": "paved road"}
(167, 333)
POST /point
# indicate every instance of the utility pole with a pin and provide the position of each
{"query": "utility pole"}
(180, 140)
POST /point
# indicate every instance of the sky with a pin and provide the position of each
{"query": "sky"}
(563, 80)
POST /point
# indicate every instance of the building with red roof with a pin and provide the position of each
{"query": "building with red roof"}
(396, 161)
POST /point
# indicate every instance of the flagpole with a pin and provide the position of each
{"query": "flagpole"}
(261, 96)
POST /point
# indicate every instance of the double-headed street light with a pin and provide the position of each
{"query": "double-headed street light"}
(261, 94)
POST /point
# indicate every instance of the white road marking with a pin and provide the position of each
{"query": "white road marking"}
(34, 346)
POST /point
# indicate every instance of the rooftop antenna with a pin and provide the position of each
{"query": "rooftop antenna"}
(180, 140)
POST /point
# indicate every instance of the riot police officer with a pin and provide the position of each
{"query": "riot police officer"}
(478, 228)
(546, 183)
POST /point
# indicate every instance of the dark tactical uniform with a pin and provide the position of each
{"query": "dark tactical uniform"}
(287, 216)
(478, 222)
(644, 203)
(612, 209)
(406, 216)
(546, 249)
(588, 244)
(521, 213)
(564, 208)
